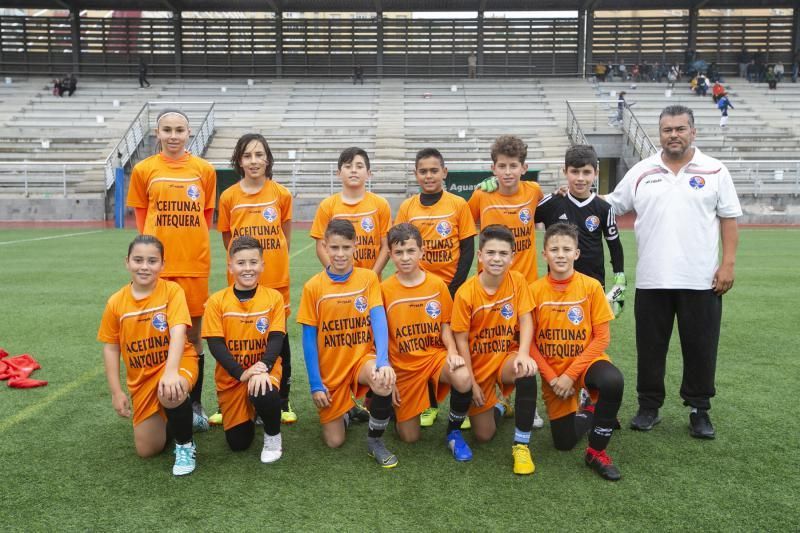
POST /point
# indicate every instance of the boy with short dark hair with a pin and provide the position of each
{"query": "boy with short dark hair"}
(571, 334)
(245, 327)
(345, 343)
(593, 217)
(369, 213)
(493, 328)
(422, 349)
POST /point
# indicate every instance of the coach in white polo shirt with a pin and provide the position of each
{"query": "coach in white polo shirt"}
(684, 203)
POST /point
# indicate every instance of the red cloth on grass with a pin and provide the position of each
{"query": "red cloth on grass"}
(18, 369)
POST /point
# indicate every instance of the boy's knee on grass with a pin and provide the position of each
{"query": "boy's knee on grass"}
(408, 431)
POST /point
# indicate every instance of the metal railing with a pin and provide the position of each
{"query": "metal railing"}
(636, 135)
(574, 131)
(47, 177)
(138, 133)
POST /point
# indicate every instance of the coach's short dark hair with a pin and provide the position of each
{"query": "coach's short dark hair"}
(341, 227)
(429, 152)
(244, 242)
(241, 145)
(560, 229)
(509, 146)
(580, 155)
(495, 232)
(402, 232)
(349, 154)
(146, 239)
(677, 110)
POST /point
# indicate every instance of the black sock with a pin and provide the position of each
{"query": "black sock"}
(179, 422)
(524, 409)
(379, 413)
(605, 417)
(286, 376)
(197, 391)
(609, 383)
(268, 407)
(459, 405)
(432, 396)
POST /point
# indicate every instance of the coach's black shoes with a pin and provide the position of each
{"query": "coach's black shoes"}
(700, 426)
(645, 419)
(600, 462)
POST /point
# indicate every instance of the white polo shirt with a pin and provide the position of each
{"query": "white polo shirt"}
(677, 219)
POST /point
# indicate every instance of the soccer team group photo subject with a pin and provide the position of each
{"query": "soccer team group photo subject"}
(391, 348)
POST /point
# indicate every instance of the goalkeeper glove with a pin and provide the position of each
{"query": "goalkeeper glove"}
(488, 185)
(616, 296)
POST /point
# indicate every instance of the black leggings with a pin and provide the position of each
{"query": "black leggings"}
(268, 407)
(605, 378)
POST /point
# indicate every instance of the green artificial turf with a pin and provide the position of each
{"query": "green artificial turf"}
(68, 460)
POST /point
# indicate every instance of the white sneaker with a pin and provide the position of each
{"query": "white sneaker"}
(538, 423)
(273, 448)
(185, 461)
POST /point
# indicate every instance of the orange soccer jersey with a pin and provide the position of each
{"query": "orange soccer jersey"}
(566, 314)
(515, 212)
(492, 321)
(141, 329)
(340, 311)
(260, 215)
(416, 316)
(245, 326)
(442, 225)
(176, 194)
(371, 218)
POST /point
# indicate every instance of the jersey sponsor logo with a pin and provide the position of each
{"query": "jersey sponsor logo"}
(525, 215)
(270, 214)
(262, 324)
(367, 224)
(697, 182)
(361, 304)
(507, 311)
(575, 314)
(563, 217)
(444, 228)
(193, 192)
(592, 223)
(434, 309)
(160, 322)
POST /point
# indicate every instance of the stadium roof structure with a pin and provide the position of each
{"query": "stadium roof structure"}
(394, 5)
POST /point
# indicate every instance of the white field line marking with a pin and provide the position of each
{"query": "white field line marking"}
(300, 251)
(52, 237)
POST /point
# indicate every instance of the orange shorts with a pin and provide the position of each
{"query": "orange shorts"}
(342, 397)
(196, 290)
(234, 403)
(559, 408)
(488, 373)
(413, 387)
(145, 396)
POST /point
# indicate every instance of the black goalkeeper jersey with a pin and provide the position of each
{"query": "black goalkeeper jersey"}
(594, 218)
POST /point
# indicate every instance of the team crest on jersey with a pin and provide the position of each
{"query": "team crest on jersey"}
(193, 192)
(444, 228)
(697, 182)
(270, 214)
(525, 215)
(434, 309)
(262, 324)
(575, 314)
(361, 304)
(592, 223)
(507, 311)
(160, 322)
(367, 224)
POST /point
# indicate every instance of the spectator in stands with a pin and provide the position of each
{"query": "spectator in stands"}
(623, 70)
(717, 91)
(744, 60)
(620, 106)
(795, 66)
(600, 72)
(72, 84)
(358, 74)
(778, 69)
(57, 87)
(678, 231)
(771, 79)
(752, 71)
(674, 74)
(701, 85)
(636, 72)
(723, 104)
(143, 74)
(472, 65)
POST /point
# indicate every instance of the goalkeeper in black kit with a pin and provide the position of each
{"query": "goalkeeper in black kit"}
(594, 218)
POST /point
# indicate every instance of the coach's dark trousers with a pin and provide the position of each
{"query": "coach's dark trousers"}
(699, 314)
